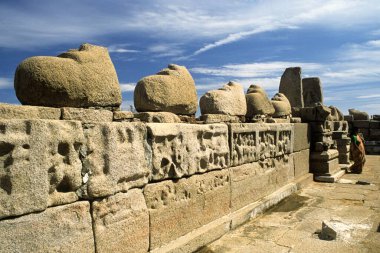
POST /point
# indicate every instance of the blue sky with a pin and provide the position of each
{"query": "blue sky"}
(218, 41)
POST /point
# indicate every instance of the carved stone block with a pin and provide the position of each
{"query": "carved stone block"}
(251, 142)
(63, 229)
(373, 124)
(157, 117)
(324, 167)
(24, 186)
(291, 86)
(8, 111)
(361, 123)
(86, 115)
(312, 91)
(344, 141)
(301, 162)
(177, 208)
(123, 116)
(183, 149)
(218, 118)
(64, 140)
(325, 162)
(252, 181)
(39, 164)
(301, 136)
(344, 158)
(121, 223)
(117, 157)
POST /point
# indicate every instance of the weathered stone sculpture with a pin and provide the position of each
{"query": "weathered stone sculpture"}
(258, 102)
(291, 86)
(336, 114)
(312, 91)
(228, 100)
(358, 115)
(281, 106)
(171, 90)
(78, 78)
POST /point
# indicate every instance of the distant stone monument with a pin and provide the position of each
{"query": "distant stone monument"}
(291, 86)
(258, 102)
(358, 115)
(229, 100)
(77, 78)
(312, 91)
(170, 90)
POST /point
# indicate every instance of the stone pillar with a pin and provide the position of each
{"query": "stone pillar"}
(291, 86)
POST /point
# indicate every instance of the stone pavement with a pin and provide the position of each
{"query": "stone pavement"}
(294, 225)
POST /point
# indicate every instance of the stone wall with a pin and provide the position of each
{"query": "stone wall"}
(369, 128)
(75, 180)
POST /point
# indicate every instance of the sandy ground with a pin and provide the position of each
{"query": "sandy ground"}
(294, 225)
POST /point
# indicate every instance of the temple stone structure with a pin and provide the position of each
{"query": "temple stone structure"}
(368, 128)
(291, 86)
(312, 91)
(170, 90)
(77, 78)
(110, 184)
(258, 104)
(281, 105)
(229, 100)
(97, 179)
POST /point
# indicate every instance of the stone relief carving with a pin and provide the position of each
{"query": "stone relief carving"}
(117, 157)
(187, 149)
(243, 148)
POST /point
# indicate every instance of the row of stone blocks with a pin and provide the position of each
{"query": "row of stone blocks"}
(48, 163)
(370, 130)
(152, 218)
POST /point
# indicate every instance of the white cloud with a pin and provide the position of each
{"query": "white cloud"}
(121, 49)
(6, 83)
(166, 50)
(214, 23)
(256, 69)
(369, 96)
(238, 36)
(127, 87)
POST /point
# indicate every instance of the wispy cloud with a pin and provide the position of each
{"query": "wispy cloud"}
(121, 49)
(369, 96)
(166, 50)
(6, 83)
(240, 35)
(127, 87)
(256, 69)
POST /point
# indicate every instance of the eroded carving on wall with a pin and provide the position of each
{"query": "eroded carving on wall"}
(23, 180)
(254, 142)
(64, 166)
(267, 144)
(117, 157)
(168, 193)
(187, 149)
(243, 149)
(284, 142)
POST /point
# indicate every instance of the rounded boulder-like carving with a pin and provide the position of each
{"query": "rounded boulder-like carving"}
(77, 78)
(170, 90)
(258, 102)
(281, 105)
(228, 100)
(358, 115)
